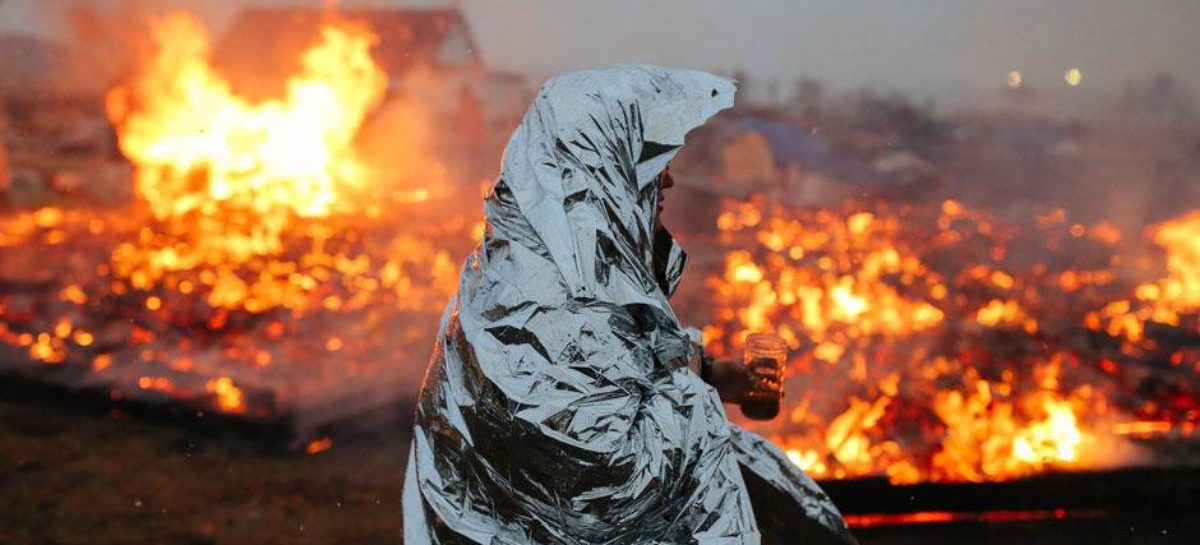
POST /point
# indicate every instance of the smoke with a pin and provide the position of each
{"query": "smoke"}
(94, 42)
(72, 49)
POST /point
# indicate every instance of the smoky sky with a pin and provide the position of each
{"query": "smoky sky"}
(947, 50)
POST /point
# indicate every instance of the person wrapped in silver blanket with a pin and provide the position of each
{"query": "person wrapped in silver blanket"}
(562, 403)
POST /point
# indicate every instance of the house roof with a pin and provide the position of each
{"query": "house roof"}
(263, 45)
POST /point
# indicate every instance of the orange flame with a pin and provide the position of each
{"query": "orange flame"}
(201, 149)
(229, 176)
(267, 242)
(1166, 300)
(317, 446)
(884, 375)
(228, 396)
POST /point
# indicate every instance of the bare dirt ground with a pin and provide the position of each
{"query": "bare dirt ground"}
(79, 477)
(85, 479)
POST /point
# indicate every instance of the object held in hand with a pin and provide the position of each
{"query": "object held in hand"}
(764, 356)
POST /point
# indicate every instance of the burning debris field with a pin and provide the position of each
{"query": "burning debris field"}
(938, 342)
(282, 260)
(266, 269)
(263, 269)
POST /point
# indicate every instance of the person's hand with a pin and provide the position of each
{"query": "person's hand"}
(734, 381)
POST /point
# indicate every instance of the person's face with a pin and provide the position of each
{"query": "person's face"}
(665, 182)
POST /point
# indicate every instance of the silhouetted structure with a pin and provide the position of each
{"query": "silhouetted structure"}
(262, 47)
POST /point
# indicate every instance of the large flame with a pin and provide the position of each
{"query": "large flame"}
(201, 149)
(250, 196)
(264, 258)
(228, 177)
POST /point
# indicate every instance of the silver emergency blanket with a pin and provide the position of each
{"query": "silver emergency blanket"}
(558, 406)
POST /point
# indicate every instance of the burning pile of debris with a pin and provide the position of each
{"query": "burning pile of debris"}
(938, 342)
(264, 270)
(268, 269)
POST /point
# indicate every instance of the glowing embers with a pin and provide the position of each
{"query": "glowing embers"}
(935, 342)
(1164, 301)
(259, 232)
(229, 180)
(990, 517)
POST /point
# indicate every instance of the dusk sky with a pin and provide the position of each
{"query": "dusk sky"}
(951, 51)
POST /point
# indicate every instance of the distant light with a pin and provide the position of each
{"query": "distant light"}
(1014, 79)
(1073, 77)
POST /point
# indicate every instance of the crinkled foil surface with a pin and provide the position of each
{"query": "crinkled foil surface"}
(558, 407)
